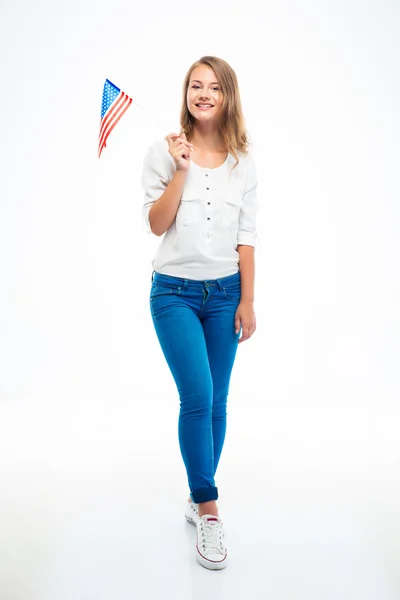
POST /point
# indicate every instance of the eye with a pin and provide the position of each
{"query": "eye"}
(214, 88)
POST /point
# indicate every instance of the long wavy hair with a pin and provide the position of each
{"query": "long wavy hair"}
(231, 121)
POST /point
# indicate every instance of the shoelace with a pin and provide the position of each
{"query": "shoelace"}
(211, 537)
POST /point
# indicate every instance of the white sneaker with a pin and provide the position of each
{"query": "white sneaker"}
(192, 512)
(210, 546)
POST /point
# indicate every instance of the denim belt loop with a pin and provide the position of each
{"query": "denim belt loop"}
(185, 284)
(152, 276)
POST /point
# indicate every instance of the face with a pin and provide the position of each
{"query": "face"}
(204, 88)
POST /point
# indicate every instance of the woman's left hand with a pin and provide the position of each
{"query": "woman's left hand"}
(246, 317)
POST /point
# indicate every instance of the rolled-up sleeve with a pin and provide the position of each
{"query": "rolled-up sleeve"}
(247, 233)
(154, 180)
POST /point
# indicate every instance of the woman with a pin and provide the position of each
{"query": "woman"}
(200, 190)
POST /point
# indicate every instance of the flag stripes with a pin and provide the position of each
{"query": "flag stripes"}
(114, 105)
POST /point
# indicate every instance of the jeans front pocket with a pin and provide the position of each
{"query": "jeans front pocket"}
(233, 290)
(163, 297)
(164, 289)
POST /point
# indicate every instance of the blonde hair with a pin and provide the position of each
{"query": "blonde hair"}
(231, 122)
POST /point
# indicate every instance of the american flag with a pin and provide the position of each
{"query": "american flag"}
(113, 106)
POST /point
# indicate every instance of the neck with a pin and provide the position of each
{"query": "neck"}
(207, 137)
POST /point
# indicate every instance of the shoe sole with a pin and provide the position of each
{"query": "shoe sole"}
(214, 566)
(190, 521)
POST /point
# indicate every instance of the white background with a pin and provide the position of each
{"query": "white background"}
(93, 487)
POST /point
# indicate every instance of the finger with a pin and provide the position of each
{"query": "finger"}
(183, 138)
(179, 144)
(245, 334)
(183, 150)
(187, 144)
(237, 324)
(171, 138)
(180, 149)
(251, 332)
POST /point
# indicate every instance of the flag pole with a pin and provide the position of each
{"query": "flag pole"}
(163, 126)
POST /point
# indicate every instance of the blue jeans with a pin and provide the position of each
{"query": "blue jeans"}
(195, 324)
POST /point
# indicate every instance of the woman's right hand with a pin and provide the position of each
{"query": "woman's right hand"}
(179, 149)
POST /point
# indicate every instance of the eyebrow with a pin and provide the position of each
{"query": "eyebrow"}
(198, 81)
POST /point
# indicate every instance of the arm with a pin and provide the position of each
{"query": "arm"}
(163, 210)
(247, 272)
(247, 235)
(163, 185)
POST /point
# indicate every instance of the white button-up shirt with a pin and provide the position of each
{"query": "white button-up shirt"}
(217, 212)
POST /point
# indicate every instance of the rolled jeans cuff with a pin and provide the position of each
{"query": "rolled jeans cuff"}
(204, 494)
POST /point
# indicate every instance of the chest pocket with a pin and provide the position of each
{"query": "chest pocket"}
(233, 202)
(189, 207)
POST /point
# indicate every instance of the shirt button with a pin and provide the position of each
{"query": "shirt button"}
(206, 174)
(208, 218)
(208, 202)
(207, 188)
